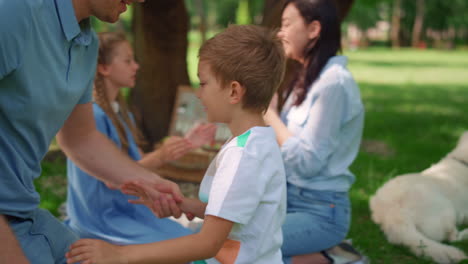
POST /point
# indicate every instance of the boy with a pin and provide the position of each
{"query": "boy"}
(243, 193)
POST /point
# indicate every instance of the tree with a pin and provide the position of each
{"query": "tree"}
(395, 28)
(160, 29)
(418, 23)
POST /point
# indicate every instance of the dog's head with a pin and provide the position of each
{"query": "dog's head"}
(461, 150)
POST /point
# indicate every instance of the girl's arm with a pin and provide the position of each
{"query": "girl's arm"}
(171, 149)
(203, 245)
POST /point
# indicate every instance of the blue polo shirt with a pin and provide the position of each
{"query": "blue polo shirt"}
(47, 66)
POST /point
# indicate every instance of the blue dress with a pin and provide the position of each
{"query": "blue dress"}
(96, 211)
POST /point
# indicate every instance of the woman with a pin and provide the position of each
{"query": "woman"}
(319, 131)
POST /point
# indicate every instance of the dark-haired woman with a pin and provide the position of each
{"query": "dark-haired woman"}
(319, 131)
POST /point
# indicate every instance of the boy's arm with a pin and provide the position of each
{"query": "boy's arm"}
(200, 246)
(203, 245)
(194, 207)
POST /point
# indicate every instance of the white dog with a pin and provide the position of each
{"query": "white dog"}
(421, 209)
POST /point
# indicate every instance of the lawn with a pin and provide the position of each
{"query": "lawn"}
(416, 104)
(416, 107)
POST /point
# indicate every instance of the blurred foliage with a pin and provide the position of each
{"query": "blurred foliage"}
(222, 13)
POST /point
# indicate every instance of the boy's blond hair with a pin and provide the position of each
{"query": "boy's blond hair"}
(250, 55)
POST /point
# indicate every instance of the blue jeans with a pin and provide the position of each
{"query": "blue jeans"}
(43, 238)
(315, 221)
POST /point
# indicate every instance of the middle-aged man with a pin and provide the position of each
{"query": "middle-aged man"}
(48, 55)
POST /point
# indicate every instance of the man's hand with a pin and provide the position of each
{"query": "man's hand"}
(201, 134)
(161, 197)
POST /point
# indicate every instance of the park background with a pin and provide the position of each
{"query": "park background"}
(409, 57)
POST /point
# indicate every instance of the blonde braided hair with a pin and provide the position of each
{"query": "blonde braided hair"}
(108, 41)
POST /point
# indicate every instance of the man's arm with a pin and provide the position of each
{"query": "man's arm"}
(10, 250)
(98, 156)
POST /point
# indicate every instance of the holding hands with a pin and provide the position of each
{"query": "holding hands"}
(161, 197)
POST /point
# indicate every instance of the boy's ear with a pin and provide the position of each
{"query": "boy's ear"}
(103, 69)
(237, 92)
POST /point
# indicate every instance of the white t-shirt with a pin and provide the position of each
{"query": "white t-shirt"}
(246, 184)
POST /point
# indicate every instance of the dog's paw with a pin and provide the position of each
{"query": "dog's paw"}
(451, 256)
(463, 235)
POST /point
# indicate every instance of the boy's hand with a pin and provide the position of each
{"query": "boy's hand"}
(201, 134)
(161, 197)
(92, 251)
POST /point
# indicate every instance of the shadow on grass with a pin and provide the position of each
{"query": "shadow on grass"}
(415, 64)
(421, 123)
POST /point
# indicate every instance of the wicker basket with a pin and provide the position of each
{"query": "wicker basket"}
(195, 160)
(189, 168)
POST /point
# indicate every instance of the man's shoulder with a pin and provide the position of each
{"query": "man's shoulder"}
(20, 14)
(19, 7)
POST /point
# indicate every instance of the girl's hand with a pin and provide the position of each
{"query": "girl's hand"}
(201, 134)
(92, 251)
(174, 148)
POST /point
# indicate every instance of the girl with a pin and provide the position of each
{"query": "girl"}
(94, 210)
(319, 131)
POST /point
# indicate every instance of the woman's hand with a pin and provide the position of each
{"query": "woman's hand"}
(274, 103)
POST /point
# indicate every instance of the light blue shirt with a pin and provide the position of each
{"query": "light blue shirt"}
(47, 66)
(327, 129)
(96, 211)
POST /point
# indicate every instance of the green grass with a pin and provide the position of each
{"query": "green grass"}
(416, 104)
(416, 108)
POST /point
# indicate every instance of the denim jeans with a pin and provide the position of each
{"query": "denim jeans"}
(315, 221)
(43, 238)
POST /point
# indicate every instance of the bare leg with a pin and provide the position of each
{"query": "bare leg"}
(313, 258)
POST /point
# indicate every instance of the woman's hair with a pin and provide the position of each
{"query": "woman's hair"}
(108, 42)
(319, 50)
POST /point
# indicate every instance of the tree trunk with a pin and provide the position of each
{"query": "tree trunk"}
(160, 29)
(396, 18)
(200, 6)
(418, 24)
(272, 13)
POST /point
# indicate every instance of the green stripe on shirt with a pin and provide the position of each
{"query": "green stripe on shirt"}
(242, 139)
